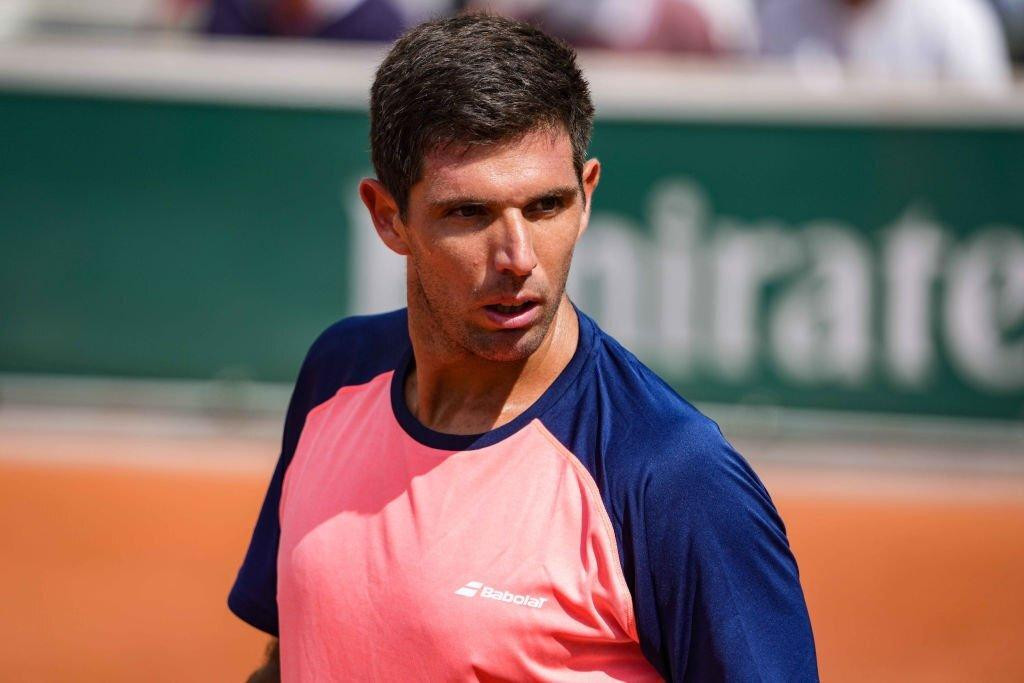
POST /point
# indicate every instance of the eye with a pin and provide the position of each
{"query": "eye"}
(467, 211)
(548, 204)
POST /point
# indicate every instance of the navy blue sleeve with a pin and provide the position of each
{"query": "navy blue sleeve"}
(253, 597)
(717, 590)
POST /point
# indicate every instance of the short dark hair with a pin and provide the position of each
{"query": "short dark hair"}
(472, 79)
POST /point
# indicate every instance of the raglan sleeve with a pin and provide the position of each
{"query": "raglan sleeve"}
(718, 592)
(253, 596)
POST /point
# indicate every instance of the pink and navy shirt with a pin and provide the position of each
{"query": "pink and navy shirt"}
(609, 532)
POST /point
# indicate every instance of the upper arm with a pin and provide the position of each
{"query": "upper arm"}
(253, 597)
(376, 342)
(722, 597)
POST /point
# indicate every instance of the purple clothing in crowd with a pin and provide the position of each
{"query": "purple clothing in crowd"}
(370, 20)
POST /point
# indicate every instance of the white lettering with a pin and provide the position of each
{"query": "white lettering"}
(745, 260)
(985, 309)
(911, 252)
(606, 278)
(676, 212)
(507, 596)
(716, 297)
(821, 324)
(378, 274)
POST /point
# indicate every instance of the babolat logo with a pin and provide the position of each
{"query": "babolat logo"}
(473, 587)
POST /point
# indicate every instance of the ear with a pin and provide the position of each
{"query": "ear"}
(385, 215)
(591, 176)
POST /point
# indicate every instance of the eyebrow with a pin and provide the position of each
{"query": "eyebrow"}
(448, 202)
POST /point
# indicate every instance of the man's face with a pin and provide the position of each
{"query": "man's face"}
(490, 233)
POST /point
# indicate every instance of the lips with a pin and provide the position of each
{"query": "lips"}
(513, 313)
(502, 308)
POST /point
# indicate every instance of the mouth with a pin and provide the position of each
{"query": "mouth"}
(513, 316)
(512, 309)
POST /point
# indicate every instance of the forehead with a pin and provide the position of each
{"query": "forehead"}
(520, 169)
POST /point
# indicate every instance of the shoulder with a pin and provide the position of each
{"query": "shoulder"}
(644, 409)
(351, 351)
(361, 346)
(661, 447)
(366, 335)
(715, 586)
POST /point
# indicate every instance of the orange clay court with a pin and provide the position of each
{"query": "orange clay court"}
(119, 550)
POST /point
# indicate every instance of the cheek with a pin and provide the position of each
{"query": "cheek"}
(554, 249)
(450, 265)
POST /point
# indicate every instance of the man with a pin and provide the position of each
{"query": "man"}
(485, 485)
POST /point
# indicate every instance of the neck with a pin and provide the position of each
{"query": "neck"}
(457, 392)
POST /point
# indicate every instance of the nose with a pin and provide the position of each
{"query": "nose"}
(515, 254)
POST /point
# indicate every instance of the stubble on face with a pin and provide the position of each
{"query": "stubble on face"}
(457, 336)
(450, 268)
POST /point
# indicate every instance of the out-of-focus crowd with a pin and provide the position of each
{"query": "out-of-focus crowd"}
(968, 41)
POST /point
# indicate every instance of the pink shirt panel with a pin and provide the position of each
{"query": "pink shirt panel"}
(402, 562)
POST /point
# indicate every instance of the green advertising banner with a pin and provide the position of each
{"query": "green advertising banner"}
(839, 266)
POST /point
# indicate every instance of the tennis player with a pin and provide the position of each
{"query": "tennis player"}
(485, 485)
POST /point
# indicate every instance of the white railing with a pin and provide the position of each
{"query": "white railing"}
(310, 74)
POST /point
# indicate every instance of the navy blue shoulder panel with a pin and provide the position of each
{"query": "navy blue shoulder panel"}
(352, 351)
(715, 586)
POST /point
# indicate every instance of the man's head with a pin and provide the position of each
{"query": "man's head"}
(470, 80)
(479, 130)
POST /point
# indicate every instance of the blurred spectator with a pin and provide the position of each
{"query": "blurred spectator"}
(691, 26)
(958, 40)
(416, 11)
(336, 19)
(1011, 13)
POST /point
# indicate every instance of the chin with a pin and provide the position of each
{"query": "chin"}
(506, 347)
